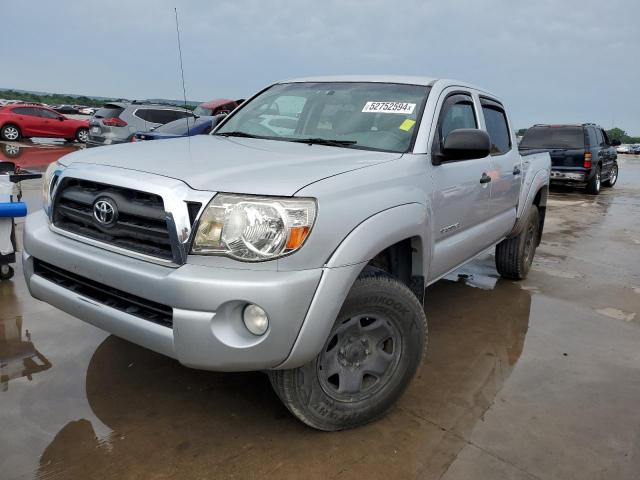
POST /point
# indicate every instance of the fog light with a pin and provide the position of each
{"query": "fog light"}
(255, 319)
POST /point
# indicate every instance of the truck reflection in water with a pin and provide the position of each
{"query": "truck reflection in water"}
(169, 419)
(18, 356)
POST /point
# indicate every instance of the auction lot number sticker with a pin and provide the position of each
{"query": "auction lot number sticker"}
(389, 107)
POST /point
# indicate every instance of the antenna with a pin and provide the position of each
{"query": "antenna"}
(184, 90)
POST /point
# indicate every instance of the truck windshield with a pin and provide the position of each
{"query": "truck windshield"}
(363, 115)
(553, 137)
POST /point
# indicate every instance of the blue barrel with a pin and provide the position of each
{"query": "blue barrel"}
(13, 209)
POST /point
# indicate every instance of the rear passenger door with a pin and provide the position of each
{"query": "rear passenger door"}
(506, 168)
(606, 152)
(460, 202)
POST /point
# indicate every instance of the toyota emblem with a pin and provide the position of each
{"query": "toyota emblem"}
(105, 212)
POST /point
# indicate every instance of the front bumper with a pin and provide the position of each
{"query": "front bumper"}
(208, 332)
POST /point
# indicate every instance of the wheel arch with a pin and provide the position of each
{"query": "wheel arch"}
(395, 233)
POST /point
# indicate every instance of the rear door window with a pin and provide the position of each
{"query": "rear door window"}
(32, 112)
(161, 116)
(599, 137)
(497, 127)
(561, 137)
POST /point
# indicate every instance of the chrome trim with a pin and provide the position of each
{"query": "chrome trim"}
(174, 193)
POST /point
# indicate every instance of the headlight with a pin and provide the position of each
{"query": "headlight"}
(53, 170)
(254, 229)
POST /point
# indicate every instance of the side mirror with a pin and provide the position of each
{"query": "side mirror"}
(61, 118)
(464, 144)
(615, 142)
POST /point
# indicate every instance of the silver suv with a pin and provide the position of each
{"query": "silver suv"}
(118, 122)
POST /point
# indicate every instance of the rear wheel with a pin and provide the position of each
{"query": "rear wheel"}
(613, 176)
(10, 133)
(593, 187)
(371, 355)
(82, 135)
(6, 272)
(514, 256)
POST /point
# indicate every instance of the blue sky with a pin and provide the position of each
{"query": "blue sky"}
(550, 61)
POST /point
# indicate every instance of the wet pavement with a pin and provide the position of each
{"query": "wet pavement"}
(523, 380)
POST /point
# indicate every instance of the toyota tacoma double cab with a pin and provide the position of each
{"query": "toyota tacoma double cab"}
(581, 155)
(300, 246)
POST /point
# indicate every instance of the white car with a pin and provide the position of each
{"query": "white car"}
(623, 149)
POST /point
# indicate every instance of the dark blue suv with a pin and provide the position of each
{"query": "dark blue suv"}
(581, 155)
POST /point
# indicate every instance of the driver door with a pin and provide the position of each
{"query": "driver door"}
(461, 191)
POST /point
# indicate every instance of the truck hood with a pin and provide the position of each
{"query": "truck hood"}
(238, 165)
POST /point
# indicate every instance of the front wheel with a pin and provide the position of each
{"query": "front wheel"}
(82, 135)
(613, 176)
(372, 353)
(514, 256)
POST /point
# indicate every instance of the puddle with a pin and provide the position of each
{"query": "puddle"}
(617, 314)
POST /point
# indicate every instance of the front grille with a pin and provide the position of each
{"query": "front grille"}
(140, 223)
(111, 297)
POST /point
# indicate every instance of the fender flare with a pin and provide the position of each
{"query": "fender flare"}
(540, 182)
(364, 242)
(381, 231)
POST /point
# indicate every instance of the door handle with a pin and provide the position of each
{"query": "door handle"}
(516, 170)
(485, 178)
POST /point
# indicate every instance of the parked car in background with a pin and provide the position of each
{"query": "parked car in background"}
(184, 127)
(87, 110)
(623, 148)
(634, 149)
(581, 155)
(118, 122)
(27, 120)
(68, 109)
(217, 106)
(305, 255)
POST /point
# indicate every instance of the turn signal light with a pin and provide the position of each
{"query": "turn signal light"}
(587, 160)
(297, 237)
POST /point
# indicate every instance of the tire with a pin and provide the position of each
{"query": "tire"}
(10, 133)
(515, 255)
(82, 135)
(593, 187)
(6, 272)
(613, 176)
(372, 353)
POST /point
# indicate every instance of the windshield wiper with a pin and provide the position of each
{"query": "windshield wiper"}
(237, 134)
(324, 141)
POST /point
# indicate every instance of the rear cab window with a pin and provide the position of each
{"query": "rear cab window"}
(560, 137)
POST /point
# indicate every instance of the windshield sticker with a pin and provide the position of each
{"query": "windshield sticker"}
(407, 125)
(389, 107)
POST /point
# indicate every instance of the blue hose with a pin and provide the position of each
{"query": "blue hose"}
(13, 209)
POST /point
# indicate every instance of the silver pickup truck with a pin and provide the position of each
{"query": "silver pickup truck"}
(297, 238)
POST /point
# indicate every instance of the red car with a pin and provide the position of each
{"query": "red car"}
(217, 106)
(23, 120)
